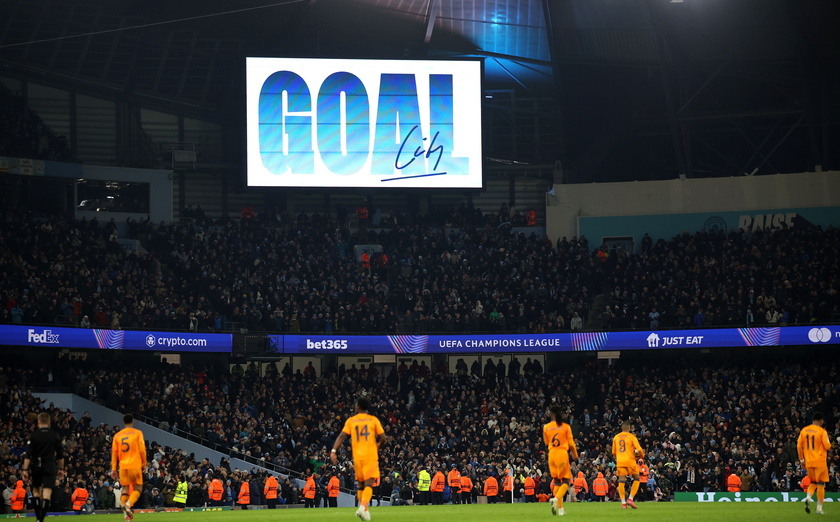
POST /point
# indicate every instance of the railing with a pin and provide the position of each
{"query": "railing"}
(239, 328)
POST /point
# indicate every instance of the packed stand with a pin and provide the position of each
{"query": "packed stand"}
(265, 278)
(304, 277)
(788, 276)
(698, 420)
(87, 456)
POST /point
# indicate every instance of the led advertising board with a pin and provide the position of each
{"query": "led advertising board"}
(95, 339)
(783, 336)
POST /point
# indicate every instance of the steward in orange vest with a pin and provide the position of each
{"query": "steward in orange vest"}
(270, 491)
(644, 472)
(333, 487)
(581, 487)
(19, 498)
(644, 475)
(215, 492)
(438, 483)
(466, 489)
(507, 486)
(600, 488)
(309, 491)
(455, 484)
(530, 485)
(244, 494)
(491, 489)
(733, 483)
(79, 498)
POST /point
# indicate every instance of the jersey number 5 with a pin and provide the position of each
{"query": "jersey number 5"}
(364, 432)
(124, 445)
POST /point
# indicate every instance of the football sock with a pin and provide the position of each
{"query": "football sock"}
(622, 491)
(811, 489)
(36, 506)
(134, 497)
(820, 494)
(123, 499)
(561, 494)
(634, 489)
(45, 506)
(367, 493)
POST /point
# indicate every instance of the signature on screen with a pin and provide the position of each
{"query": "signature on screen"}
(404, 159)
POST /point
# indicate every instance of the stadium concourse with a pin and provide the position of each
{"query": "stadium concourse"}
(301, 276)
(700, 417)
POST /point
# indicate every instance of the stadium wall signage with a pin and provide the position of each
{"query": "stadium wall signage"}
(363, 123)
(669, 225)
(715, 496)
(563, 342)
(85, 338)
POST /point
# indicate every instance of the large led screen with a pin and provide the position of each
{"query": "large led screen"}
(363, 123)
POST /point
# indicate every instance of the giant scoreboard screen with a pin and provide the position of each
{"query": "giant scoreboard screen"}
(363, 123)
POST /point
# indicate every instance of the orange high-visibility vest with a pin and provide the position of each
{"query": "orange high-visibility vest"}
(19, 497)
(733, 483)
(244, 494)
(438, 482)
(455, 480)
(309, 488)
(466, 484)
(333, 487)
(216, 490)
(644, 473)
(508, 483)
(529, 486)
(491, 487)
(79, 498)
(270, 488)
(600, 486)
(580, 483)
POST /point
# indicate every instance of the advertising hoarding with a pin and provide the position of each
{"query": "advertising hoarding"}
(100, 339)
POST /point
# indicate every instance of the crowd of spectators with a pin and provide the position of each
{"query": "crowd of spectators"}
(699, 420)
(306, 277)
(87, 454)
(773, 278)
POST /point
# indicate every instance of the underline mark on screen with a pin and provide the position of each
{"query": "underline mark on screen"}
(417, 176)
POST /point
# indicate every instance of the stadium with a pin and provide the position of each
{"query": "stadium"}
(494, 244)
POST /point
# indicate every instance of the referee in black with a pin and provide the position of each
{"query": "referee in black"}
(45, 460)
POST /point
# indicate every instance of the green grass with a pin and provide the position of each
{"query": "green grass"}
(670, 511)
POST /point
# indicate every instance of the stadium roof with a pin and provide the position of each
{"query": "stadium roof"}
(635, 89)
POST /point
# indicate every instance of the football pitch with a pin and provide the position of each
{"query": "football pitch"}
(665, 511)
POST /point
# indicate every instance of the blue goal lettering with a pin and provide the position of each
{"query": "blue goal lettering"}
(398, 145)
